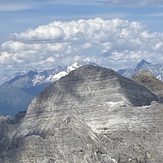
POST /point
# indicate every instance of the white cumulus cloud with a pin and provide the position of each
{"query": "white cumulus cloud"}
(114, 43)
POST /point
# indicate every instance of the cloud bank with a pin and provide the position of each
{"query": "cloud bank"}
(114, 43)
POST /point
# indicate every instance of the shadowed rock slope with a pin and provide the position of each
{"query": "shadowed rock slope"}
(150, 81)
(92, 115)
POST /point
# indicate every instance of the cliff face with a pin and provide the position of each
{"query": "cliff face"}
(91, 115)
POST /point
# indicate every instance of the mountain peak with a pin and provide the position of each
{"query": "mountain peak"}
(75, 65)
(150, 81)
(83, 92)
(32, 73)
(93, 85)
(142, 63)
(89, 72)
(85, 117)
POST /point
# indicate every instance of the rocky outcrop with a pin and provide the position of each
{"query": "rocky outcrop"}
(92, 115)
(150, 81)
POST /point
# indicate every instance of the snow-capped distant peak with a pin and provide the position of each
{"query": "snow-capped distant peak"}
(35, 78)
(49, 76)
(75, 65)
(56, 76)
(156, 69)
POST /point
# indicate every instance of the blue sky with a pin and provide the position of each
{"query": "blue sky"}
(18, 16)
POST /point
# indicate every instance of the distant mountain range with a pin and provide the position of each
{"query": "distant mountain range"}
(4, 78)
(155, 69)
(33, 82)
(17, 92)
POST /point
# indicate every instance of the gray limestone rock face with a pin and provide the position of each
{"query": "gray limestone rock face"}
(92, 115)
(5, 124)
(68, 139)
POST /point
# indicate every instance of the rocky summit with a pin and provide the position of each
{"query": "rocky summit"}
(150, 81)
(92, 115)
